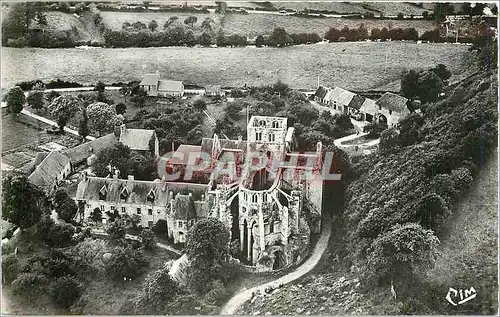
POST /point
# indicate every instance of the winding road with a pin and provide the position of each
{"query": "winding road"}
(237, 301)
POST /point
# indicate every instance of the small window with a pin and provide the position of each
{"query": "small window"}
(258, 136)
(390, 111)
(150, 224)
(264, 197)
(180, 224)
(379, 107)
(102, 207)
(275, 124)
(150, 212)
(112, 207)
(124, 210)
(138, 211)
(254, 198)
(271, 137)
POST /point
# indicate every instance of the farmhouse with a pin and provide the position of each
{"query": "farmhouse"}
(154, 86)
(50, 172)
(392, 108)
(140, 140)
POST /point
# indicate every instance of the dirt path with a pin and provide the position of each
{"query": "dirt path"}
(235, 302)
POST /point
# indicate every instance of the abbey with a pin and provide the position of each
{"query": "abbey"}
(270, 207)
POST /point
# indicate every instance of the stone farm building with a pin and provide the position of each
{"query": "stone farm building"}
(52, 170)
(389, 109)
(154, 86)
(270, 211)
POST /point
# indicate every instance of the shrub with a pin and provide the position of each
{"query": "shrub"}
(64, 291)
(125, 262)
(148, 238)
(10, 268)
(29, 284)
(158, 290)
(462, 178)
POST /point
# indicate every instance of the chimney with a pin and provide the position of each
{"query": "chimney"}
(131, 177)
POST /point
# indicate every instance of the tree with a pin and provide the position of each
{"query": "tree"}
(200, 105)
(280, 38)
(442, 72)
(96, 215)
(170, 21)
(15, 100)
(66, 208)
(64, 291)
(233, 109)
(429, 86)
(409, 129)
(125, 262)
(83, 126)
(409, 84)
(65, 107)
(157, 291)
(374, 129)
(332, 35)
(102, 117)
(23, 204)
(139, 98)
(389, 140)
(55, 234)
(36, 99)
(117, 156)
(120, 108)
(29, 284)
(344, 122)
(116, 231)
(100, 87)
(153, 25)
(400, 16)
(143, 167)
(402, 251)
(10, 268)
(259, 41)
(148, 238)
(191, 20)
(52, 95)
(207, 24)
(207, 247)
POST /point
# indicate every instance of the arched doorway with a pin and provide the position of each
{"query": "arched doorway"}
(382, 119)
(278, 260)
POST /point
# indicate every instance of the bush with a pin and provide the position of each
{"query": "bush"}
(29, 284)
(125, 262)
(64, 291)
(160, 226)
(158, 290)
(10, 268)
(374, 129)
(148, 238)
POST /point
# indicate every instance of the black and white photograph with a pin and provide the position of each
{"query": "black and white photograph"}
(258, 158)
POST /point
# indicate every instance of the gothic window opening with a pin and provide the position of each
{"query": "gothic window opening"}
(275, 124)
(103, 192)
(254, 198)
(151, 195)
(272, 137)
(138, 211)
(258, 136)
(124, 193)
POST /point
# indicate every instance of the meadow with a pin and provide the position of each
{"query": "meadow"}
(356, 66)
(255, 24)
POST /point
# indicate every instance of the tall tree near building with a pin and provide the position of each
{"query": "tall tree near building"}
(102, 117)
(191, 20)
(36, 99)
(83, 127)
(23, 204)
(15, 100)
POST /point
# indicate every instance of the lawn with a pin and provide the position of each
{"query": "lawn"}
(16, 134)
(358, 66)
(255, 24)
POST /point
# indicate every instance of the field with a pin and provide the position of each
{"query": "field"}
(255, 24)
(357, 66)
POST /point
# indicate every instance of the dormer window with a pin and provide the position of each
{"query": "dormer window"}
(124, 193)
(103, 192)
(151, 195)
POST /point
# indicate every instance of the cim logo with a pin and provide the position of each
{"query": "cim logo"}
(458, 297)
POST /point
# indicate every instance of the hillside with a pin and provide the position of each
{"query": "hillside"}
(418, 191)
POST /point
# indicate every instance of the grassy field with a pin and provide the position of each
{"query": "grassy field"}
(358, 66)
(253, 25)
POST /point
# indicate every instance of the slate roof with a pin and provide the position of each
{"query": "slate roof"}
(137, 139)
(356, 102)
(81, 152)
(170, 85)
(207, 144)
(320, 92)
(340, 95)
(183, 207)
(150, 80)
(49, 169)
(369, 106)
(393, 102)
(183, 152)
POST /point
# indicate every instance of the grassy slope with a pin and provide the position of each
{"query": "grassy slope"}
(85, 29)
(356, 66)
(253, 25)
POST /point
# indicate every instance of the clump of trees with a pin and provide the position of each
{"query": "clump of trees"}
(424, 85)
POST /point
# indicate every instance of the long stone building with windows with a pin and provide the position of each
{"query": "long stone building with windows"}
(269, 197)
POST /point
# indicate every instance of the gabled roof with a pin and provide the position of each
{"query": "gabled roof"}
(183, 152)
(81, 152)
(137, 139)
(369, 106)
(48, 170)
(170, 85)
(341, 96)
(356, 102)
(393, 102)
(150, 80)
(89, 188)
